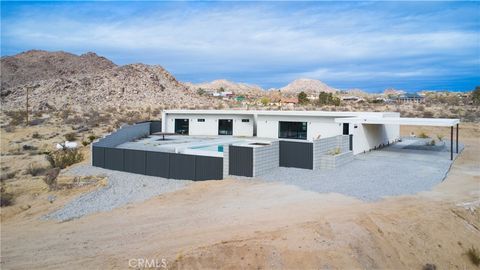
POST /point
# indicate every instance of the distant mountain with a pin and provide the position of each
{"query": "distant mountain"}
(236, 88)
(62, 80)
(393, 91)
(309, 86)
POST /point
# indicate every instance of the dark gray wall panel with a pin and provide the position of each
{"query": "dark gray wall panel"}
(296, 154)
(182, 166)
(240, 161)
(114, 159)
(208, 168)
(157, 164)
(134, 161)
(124, 134)
(155, 126)
(98, 156)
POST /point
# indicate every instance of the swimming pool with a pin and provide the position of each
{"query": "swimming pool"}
(216, 148)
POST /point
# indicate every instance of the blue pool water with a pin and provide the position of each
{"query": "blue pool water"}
(216, 148)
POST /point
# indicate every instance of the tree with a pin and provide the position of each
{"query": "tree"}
(265, 101)
(328, 99)
(476, 95)
(200, 91)
(302, 98)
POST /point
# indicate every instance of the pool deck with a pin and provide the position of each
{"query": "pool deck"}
(189, 144)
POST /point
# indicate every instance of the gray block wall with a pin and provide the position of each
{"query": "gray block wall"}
(331, 162)
(322, 146)
(226, 153)
(266, 158)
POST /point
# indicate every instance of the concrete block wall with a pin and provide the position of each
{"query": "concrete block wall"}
(225, 160)
(322, 146)
(331, 162)
(266, 158)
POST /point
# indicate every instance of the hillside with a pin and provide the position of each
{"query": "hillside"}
(237, 88)
(64, 80)
(309, 86)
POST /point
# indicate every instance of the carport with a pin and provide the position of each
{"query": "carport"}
(439, 122)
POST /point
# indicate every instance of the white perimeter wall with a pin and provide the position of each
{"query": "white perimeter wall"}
(210, 126)
(267, 126)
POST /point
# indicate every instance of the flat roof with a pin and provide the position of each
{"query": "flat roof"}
(443, 122)
(280, 113)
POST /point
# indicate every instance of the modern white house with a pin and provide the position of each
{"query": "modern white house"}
(250, 143)
(288, 125)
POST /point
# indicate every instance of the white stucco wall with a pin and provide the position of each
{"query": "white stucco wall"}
(366, 136)
(210, 126)
(267, 126)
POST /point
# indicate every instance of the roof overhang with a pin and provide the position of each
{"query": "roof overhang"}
(442, 122)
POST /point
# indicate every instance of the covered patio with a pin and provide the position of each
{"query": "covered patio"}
(439, 122)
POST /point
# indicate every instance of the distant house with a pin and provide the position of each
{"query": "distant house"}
(292, 100)
(410, 98)
(352, 98)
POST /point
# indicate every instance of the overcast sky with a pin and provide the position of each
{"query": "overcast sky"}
(369, 45)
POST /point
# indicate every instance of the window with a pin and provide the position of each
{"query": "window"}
(245, 120)
(292, 130)
(200, 120)
(225, 126)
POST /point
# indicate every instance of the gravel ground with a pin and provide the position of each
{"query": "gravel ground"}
(122, 188)
(392, 171)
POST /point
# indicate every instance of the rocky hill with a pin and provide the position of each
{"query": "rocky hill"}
(236, 88)
(64, 80)
(308, 86)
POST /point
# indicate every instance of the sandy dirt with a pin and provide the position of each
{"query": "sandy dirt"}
(235, 224)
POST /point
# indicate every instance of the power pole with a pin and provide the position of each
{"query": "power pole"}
(27, 107)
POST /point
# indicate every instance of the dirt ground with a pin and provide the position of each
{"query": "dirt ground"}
(233, 224)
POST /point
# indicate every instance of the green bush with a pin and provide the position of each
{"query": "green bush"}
(65, 157)
(70, 136)
(92, 138)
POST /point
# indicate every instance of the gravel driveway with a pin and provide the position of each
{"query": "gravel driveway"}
(396, 170)
(122, 188)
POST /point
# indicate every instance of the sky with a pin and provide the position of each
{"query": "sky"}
(367, 45)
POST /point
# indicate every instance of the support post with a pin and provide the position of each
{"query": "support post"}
(457, 139)
(451, 143)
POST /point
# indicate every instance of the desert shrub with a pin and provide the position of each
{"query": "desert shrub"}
(35, 135)
(427, 114)
(423, 135)
(64, 157)
(51, 177)
(429, 266)
(75, 120)
(6, 199)
(16, 117)
(334, 152)
(70, 136)
(85, 143)
(431, 143)
(420, 108)
(34, 170)
(92, 138)
(474, 256)
(9, 128)
(440, 137)
(5, 176)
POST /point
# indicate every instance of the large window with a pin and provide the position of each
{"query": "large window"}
(181, 126)
(292, 130)
(225, 127)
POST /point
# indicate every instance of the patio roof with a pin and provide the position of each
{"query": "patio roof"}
(442, 122)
